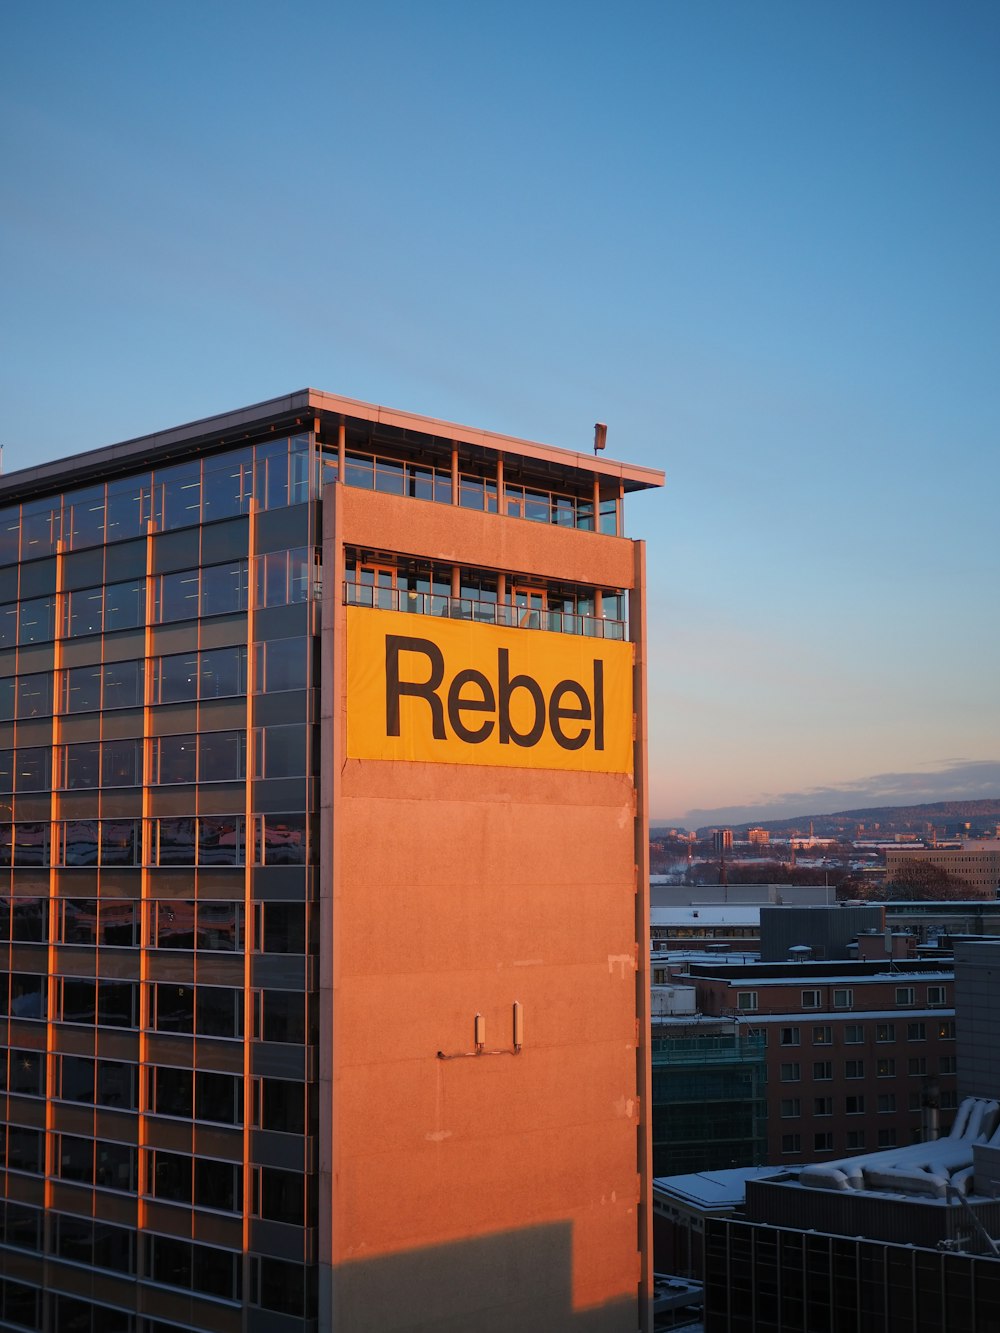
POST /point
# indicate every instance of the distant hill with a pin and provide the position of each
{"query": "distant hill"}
(947, 817)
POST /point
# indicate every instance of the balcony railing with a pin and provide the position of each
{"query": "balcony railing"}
(487, 613)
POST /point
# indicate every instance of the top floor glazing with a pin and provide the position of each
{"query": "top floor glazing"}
(201, 479)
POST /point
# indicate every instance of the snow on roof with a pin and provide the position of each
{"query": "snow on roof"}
(734, 915)
(714, 1189)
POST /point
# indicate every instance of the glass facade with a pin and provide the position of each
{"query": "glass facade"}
(159, 650)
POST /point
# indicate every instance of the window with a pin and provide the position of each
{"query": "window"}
(282, 1106)
(937, 995)
(854, 1069)
(886, 1103)
(854, 1034)
(916, 1032)
(854, 1105)
(949, 1099)
(917, 1065)
(789, 1036)
(822, 1036)
(947, 1064)
(904, 995)
(885, 1067)
(823, 1069)
(916, 1101)
(843, 999)
(855, 1139)
(791, 1108)
(791, 1143)
(823, 1142)
(885, 1031)
(946, 1031)
(887, 1138)
(746, 999)
(822, 1106)
(790, 1073)
(810, 999)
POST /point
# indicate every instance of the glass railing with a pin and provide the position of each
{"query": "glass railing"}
(487, 613)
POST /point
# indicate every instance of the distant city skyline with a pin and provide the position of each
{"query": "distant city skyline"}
(757, 241)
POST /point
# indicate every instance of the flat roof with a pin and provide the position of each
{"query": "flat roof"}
(291, 411)
(713, 1189)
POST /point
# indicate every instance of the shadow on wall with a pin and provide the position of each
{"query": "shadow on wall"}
(513, 1282)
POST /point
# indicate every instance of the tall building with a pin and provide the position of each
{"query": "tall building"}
(324, 837)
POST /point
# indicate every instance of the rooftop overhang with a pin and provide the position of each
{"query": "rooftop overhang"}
(300, 411)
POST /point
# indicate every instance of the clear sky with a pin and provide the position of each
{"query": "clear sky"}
(759, 240)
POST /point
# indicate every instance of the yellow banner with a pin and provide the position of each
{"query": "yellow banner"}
(456, 692)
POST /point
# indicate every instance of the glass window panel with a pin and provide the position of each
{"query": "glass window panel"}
(298, 469)
(217, 1185)
(27, 1073)
(283, 1106)
(177, 596)
(77, 1079)
(74, 1239)
(34, 695)
(81, 689)
(226, 485)
(10, 534)
(172, 1177)
(283, 752)
(282, 1196)
(175, 925)
(219, 1097)
(25, 1149)
(121, 763)
(284, 1287)
(29, 921)
(83, 765)
(175, 758)
(171, 1261)
(120, 842)
(174, 1008)
(125, 605)
(123, 684)
(79, 921)
(220, 1012)
(220, 841)
(175, 844)
(8, 625)
(33, 769)
(28, 995)
(86, 612)
(31, 844)
(116, 1084)
(116, 1004)
(37, 620)
(127, 507)
(118, 923)
(40, 528)
(79, 1000)
(80, 842)
(222, 673)
(285, 665)
(284, 928)
(173, 1092)
(113, 1249)
(222, 756)
(220, 926)
(214, 1271)
(300, 572)
(177, 495)
(177, 679)
(84, 518)
(224, 588)
(115, 1166)
(283, 840)
(8, 693)
(284, 1016)
(271, 483)
(6, 771)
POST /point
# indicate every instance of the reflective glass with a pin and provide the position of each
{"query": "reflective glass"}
(31, 844)
(120, 843)
(283, 1106)
(29, 920)
(79, 1000)
(84, 518)
(86, 609)
(6, 771)
(222, 756)
(27, 1073)
(174, 1008)
(283, 840)
(8, 693)
(219, 1012)
(80, 842)
(127, 507)
(224, 588)
(284, 928)
(176, 842)
(40, 527)
(34, 695)
(79, 921)
(123, 684)
(218, 1185)
(118, 923)
(121, 763)
(172, 1177)
(285, 665)
(281, 752)
(33, 769)
(175, 758)
(222, 672)
(115, 1166)
(175, 924)
(116, 1003)
(10, 534)
(177, 496)
(25, 1150)
(220, 926)
(28, 995)
(219, 1097)
(178, 596)
(77, 1079)
(8, 625)
(37, 620)
(221, 841)
(83, 765)
(116, 1084)
(125, 605)
(226, 485)
(173, 1092)
(177, 679)
(284, 1016)
(82, 689)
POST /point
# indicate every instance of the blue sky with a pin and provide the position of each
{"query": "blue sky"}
(758, 240)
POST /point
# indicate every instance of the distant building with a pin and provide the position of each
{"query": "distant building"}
(974, 863)
(758, 837)
(722, 839)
